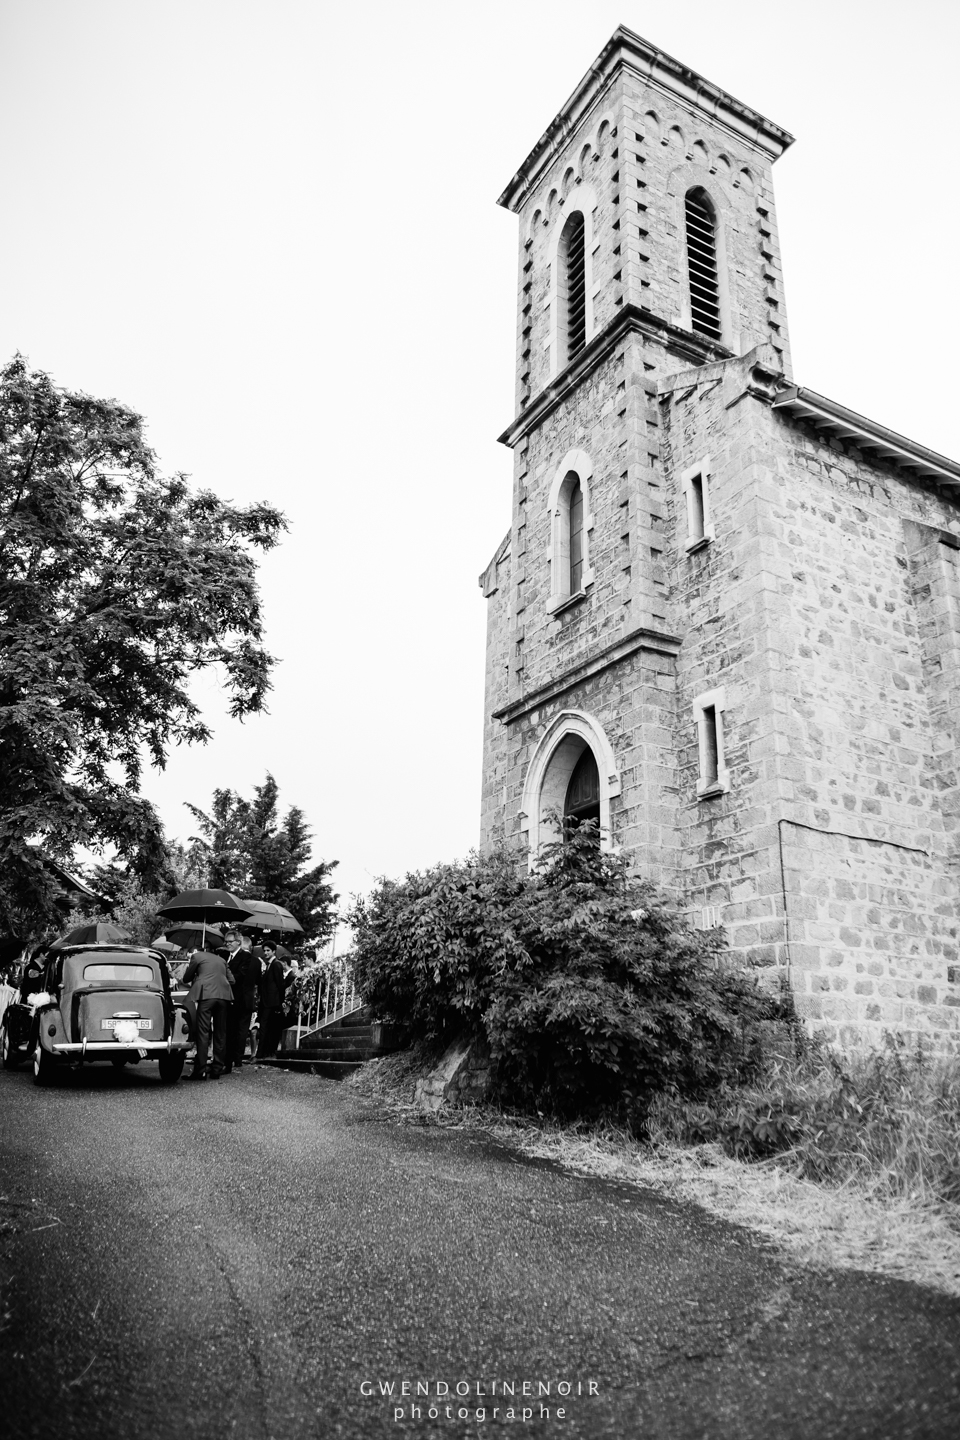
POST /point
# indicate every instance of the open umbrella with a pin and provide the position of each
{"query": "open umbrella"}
(167, 947)
(265, 916)
(99, 933)
(208, 907)
(193, 937)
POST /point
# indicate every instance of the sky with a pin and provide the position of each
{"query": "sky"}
(270, 227)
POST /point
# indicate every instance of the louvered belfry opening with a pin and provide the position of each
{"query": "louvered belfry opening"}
(702, 265)
(574, 261)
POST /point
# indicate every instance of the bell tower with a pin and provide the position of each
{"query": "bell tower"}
(648, 247)
(647, 206)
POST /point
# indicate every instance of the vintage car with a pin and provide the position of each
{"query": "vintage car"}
(97, 1002)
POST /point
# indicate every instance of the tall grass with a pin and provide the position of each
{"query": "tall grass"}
(888, 1122)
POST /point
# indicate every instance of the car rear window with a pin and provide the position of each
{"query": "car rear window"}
(129, 974)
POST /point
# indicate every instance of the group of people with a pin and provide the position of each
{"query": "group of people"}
(226, 988)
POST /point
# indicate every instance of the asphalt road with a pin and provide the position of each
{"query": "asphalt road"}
(248, 1258)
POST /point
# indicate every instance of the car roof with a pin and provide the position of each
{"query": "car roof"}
(102, 946)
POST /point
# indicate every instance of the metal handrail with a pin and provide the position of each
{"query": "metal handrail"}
(330, 1003)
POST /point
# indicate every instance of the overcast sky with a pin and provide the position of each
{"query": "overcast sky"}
(270, 227)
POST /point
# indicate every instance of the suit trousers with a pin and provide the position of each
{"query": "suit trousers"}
(211, 1021)
(238, 1030)
(271, 1030)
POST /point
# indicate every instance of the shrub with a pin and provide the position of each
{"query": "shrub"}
(593, 994)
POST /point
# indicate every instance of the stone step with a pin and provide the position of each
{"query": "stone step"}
(330, 1069)
(339, 1052)
(342, 1037)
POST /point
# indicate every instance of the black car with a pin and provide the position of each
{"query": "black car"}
(96, 1002)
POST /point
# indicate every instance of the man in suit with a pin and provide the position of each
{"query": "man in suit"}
(211, 991)
(273, 986)
(245, 969)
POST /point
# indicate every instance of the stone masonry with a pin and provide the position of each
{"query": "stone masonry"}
(818, 616)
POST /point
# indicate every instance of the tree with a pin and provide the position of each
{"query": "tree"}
(116, 585)
(251, 852)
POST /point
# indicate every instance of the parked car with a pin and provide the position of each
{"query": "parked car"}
(97, 1002)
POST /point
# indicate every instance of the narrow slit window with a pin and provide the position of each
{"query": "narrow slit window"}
(713, 778)
(696, 508)
(711, 754)
(576, 539)
(702, 265)
(696, 489)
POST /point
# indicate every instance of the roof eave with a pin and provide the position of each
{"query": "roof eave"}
(867, 435)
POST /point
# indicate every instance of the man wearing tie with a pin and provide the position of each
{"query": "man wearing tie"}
(273, 984)
(245, 967)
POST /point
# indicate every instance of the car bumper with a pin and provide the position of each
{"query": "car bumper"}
(87, 1047)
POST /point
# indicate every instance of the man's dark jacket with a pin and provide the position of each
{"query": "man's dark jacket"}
(245, 969)
(273, 986)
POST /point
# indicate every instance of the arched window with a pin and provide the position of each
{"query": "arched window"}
(571, 575)
(702, 265)
(569, 540)
(572, 288)
(576, 538)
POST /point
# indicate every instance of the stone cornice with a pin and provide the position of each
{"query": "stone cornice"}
(683, 343)
(629, 51)
(653, 640)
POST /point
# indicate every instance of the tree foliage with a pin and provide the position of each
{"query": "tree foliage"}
(592, 992)
(116, 585)
(252, 852)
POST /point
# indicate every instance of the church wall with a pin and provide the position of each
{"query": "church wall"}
(723, 603)
(875, 945)
(805, 608)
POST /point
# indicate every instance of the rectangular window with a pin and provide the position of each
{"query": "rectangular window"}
(713, 777)
(696, 489)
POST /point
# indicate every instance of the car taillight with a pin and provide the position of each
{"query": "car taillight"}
(51, 1029)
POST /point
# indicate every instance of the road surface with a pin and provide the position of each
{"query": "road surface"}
(264, 1256)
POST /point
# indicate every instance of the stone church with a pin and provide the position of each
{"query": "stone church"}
(725, 620)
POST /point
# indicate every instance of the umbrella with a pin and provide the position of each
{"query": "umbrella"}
(193, 937)
(207, 906)
(99, 933)
(265, 916)
(164, 945)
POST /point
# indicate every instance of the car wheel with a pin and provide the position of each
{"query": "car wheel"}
(43, 1067)
(9, 1054)
(171, 1067)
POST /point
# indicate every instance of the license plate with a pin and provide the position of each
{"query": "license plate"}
(141, 1024)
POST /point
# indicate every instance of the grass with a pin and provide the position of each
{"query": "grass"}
(851, 1163)
(888, 1122)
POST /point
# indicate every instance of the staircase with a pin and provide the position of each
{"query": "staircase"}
(341, 1046)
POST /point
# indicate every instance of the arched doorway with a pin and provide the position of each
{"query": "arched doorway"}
(572, 771)
(582, 800)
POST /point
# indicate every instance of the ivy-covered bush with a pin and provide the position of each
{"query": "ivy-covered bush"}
(592, 993)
